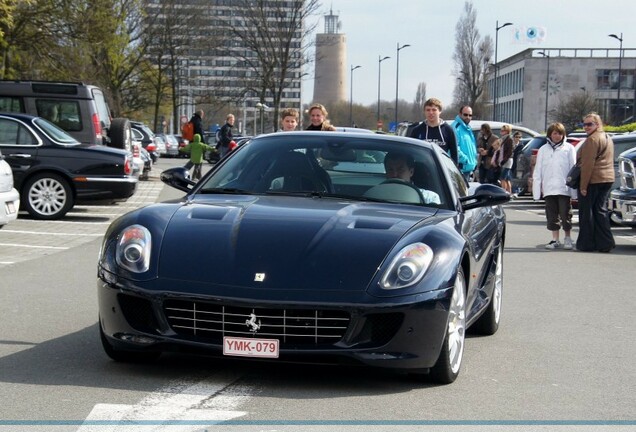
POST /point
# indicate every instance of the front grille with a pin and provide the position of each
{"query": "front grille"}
(627, 172)
(292, 327)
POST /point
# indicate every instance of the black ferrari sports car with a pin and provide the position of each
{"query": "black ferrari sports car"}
(310, 246)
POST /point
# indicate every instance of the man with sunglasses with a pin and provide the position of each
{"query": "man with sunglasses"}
(466, 144)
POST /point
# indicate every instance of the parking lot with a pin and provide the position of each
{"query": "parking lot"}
(27, 238)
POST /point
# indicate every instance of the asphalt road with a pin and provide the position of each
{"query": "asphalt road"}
(561, 361)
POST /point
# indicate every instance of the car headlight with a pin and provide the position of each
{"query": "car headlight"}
(133, 249)
(408, 267)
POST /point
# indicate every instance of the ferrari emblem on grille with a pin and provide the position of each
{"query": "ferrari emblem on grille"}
(259, 277)
(252, 324)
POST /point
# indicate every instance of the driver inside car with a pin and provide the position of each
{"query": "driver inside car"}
(402, 166)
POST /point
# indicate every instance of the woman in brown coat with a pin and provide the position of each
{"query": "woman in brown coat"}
(596, 159)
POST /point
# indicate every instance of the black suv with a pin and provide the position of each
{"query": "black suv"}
(77, 108)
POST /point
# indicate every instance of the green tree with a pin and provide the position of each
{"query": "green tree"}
(173, 32)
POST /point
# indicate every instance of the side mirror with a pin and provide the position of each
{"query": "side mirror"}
(485, 195)
(178, 178)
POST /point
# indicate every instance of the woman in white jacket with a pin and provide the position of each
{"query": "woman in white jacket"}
(554, 160)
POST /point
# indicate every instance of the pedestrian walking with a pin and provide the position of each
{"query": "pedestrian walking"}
(225, 136)
(197, 149)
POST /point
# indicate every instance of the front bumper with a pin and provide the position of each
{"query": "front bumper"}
(406, 334)
(9, 206)
(622, 205)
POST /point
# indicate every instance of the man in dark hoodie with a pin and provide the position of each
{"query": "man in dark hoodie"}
(436, 130)
(197, 121)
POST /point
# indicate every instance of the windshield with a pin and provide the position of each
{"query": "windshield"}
(54, 133)
(333, 165)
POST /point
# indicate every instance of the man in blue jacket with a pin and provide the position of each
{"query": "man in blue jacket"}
(466, 144)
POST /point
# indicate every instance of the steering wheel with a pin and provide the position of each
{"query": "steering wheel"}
(391, 188)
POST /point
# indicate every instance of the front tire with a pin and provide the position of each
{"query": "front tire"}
(448, 364)
(47, 196)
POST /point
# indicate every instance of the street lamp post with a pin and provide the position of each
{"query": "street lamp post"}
(496, 89)
(547, 86)
(620, 58)
(397, 77)
(351, 94)
(380, 60)
(262, 107)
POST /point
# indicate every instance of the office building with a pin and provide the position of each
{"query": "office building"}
(522, 80)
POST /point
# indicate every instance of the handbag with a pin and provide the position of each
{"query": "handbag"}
(573, 178)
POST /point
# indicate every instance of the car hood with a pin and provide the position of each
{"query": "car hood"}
(283, 243)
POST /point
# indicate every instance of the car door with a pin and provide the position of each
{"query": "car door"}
(19, 146)
(479, 228)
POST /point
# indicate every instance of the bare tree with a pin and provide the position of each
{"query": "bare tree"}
(174, 31)
(269, 33)
(418, 104)
(571, 109)
(472, 56)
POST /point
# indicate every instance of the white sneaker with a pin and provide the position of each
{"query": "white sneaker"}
(553, 244)
(567, 243)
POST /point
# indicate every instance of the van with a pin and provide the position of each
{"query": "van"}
(79, 109)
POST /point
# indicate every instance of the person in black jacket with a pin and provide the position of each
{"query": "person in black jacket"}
(197, 121)
(225, 135)
(434, 129)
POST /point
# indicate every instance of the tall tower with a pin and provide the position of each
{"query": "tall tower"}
(331, 59)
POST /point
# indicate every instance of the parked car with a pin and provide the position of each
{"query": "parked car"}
(143, 134)
(160, 143)
(141, 161)
(172, 145)
(622, 200)
(77, 108)
(295, 251)
(53, 171)
(9, 196)
(214, 157)
(182, 143)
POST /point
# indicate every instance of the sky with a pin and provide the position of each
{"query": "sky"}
(374, 28)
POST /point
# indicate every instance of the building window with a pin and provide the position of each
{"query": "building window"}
(607, 79)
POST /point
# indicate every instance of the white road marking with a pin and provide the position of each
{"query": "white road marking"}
(66, 222)
(33, 246)
(184, 406)
(49, 233)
